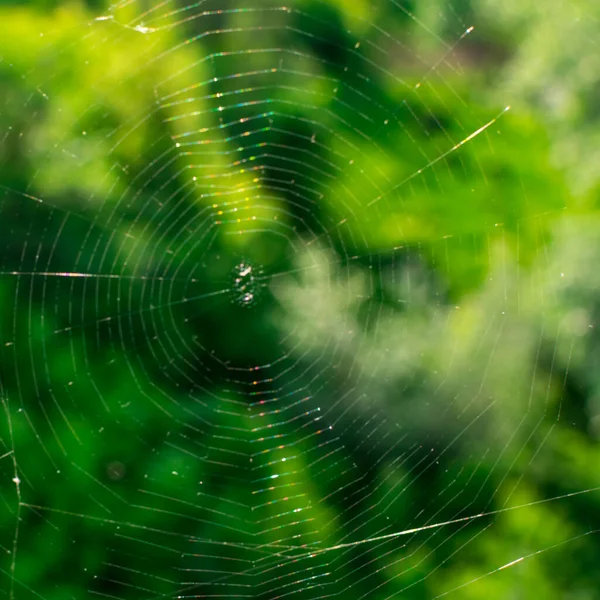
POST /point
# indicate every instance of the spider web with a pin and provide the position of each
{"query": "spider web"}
(271, 319)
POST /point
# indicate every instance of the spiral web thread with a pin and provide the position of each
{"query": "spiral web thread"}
(200, 347)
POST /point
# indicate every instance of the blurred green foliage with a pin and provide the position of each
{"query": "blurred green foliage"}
(422, 344)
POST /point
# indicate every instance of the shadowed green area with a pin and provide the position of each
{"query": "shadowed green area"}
(299, 300)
